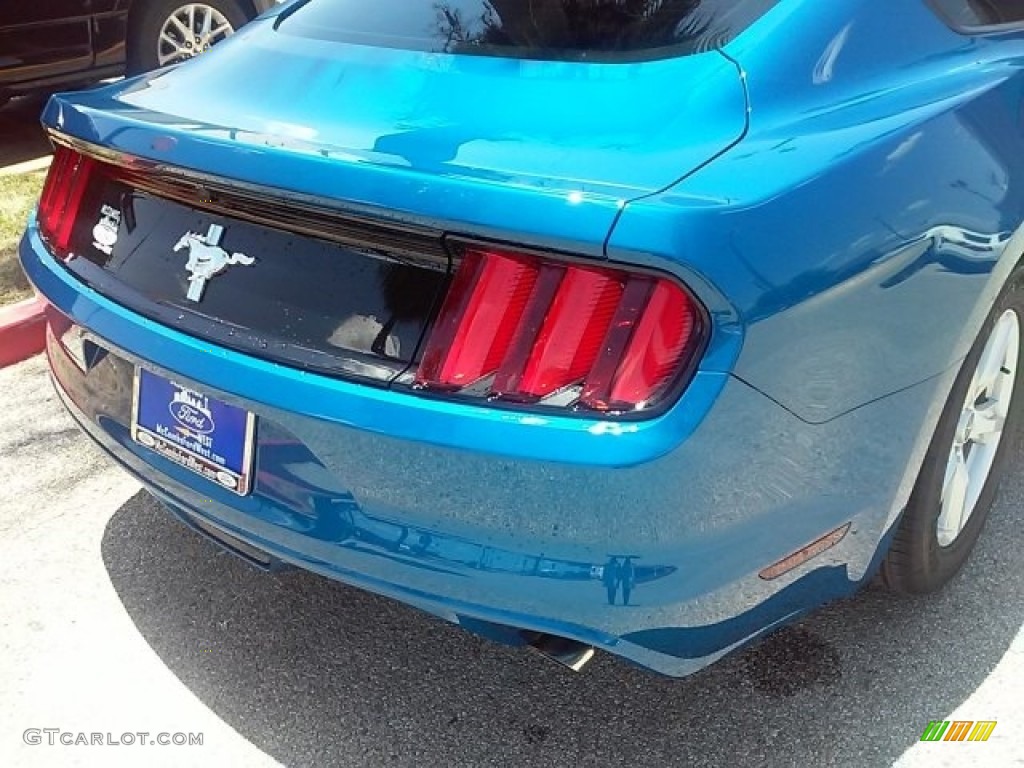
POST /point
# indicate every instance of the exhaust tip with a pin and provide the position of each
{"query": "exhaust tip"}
(567, 653)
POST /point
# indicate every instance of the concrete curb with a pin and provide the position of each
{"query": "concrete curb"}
(22, 330)
(27, 167)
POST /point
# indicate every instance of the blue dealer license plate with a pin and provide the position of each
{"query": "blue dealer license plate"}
(202, 434)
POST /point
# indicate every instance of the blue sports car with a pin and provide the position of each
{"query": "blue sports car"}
(642, 326)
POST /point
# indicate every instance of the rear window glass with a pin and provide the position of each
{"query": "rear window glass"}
(596, 30)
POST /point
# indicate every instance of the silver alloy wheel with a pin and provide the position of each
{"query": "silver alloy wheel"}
(980, 427)
(189, 31)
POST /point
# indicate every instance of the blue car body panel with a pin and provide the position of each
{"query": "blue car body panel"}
(861, 229)
(845, 209)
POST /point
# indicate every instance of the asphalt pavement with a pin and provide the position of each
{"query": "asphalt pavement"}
(115, 619)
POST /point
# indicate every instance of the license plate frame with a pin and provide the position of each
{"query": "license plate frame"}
(181, 424)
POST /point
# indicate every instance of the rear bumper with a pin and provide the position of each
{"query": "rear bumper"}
(489, 516)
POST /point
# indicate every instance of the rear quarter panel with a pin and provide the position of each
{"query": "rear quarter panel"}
(864, 226)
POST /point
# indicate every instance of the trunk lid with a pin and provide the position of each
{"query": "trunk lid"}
(543, 152)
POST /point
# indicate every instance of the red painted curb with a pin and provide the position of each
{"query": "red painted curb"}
(22, 330)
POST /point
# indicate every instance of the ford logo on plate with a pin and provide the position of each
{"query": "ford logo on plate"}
(192, 411)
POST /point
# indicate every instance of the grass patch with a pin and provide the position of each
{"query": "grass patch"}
(17, 196)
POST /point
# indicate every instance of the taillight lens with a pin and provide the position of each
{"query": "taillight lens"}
(528, 329)
(66, 182)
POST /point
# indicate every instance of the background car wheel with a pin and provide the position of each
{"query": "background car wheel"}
(976, 432)
(169, 31)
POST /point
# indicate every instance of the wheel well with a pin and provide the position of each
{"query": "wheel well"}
(248, 7)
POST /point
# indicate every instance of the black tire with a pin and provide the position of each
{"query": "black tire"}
(149, 17)
(917, 563)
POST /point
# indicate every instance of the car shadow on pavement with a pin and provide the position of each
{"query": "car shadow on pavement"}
(313, 672)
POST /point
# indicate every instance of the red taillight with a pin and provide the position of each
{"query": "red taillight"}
(66, 183)
(479, 316)
(660, 335)
(523, 328)
(570, 337)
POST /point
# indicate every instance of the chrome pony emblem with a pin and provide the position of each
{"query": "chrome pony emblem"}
(207, 259)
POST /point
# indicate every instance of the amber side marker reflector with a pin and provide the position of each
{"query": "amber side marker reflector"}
(801, 556)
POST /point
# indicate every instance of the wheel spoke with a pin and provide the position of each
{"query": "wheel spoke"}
(1002, 391)
(207, 22)
(988, 422)
(991, 364)
(954, 499)
(223, 29)
(182, 29)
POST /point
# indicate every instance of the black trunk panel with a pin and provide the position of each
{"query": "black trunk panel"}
(345, 308)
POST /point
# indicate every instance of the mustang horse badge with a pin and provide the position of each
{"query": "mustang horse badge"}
(206, 259)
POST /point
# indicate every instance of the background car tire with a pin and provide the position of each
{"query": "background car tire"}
(145, 29)
(917, 562)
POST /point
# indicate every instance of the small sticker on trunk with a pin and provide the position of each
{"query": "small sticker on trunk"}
(104, 234)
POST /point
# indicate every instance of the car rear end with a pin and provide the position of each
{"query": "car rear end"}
(380, 338)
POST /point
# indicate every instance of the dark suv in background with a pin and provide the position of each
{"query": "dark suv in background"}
(50, 44)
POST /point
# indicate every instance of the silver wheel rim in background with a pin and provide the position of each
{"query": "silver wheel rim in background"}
(980, 427)
(189, 31)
